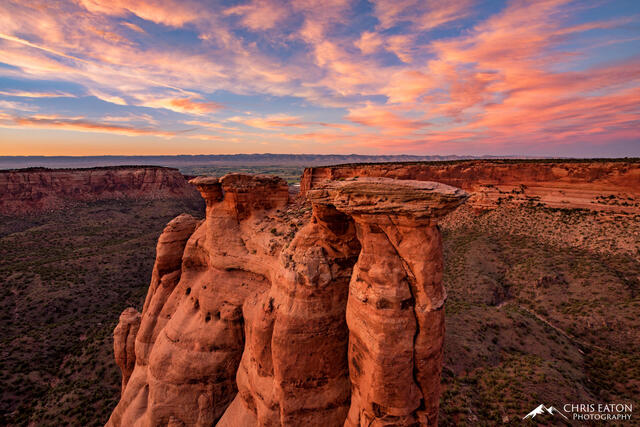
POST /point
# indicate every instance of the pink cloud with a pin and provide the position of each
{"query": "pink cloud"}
(77, 124)
(36, 94)
(369, 42)
(188, 105)
(407, 86)
(168, 12)
(259, 14)
(424, 14)
(134, 27)
(385, 119)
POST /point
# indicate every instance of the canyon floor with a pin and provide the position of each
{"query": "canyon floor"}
(66, 276)
(542, 308)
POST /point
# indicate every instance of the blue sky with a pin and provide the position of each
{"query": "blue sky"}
(551, 77)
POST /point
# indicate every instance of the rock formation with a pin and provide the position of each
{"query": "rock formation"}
(124, 341)
(395, 309)
(279, 312)
(38, 189)
(596, 185)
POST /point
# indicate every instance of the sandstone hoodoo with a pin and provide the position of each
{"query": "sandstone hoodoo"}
(326, 311)
(124, 341)
(38, 189)
(395, 306)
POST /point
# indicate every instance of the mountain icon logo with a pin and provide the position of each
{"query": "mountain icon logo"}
(541, 409)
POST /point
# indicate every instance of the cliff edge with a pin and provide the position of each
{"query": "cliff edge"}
(38, 189)
(600, 184)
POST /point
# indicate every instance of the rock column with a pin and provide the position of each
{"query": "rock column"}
(395, 305)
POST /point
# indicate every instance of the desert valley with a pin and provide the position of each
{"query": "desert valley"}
(286, 305)
(337, 213)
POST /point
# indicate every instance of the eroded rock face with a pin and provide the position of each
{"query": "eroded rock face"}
(595, 185)
(290, 313)
(38, 189)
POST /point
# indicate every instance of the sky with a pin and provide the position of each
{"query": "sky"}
(425, 77)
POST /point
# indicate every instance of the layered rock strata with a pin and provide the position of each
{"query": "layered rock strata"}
(591, 184)
(37, 189)
(281, 312)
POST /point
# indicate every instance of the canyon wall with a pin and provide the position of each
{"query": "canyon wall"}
(597, 185)
(37, 190)
(323, 310)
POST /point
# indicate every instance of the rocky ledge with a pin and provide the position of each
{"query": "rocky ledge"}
(386, 196)
(611, 185)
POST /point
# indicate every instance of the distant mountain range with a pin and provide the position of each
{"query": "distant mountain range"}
(15, 162)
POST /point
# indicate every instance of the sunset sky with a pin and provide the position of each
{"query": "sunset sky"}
(87, 77)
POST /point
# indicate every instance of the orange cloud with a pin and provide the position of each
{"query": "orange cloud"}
(113, 99)
(190, 105)
(184, 105)
(212, 125)
(37, 46)
(131, 118)
(369, 42)
(259, 14)
(403, 46)
(20, 106)
(407, 86)
(133, 27)
(205, 137)
(78, 124)
(384, 119)
(168, 12)
(31, 94)
(277, 121)
(424, 14)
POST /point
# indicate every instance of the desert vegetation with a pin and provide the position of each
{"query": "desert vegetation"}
(542, 307)
(66, 275)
